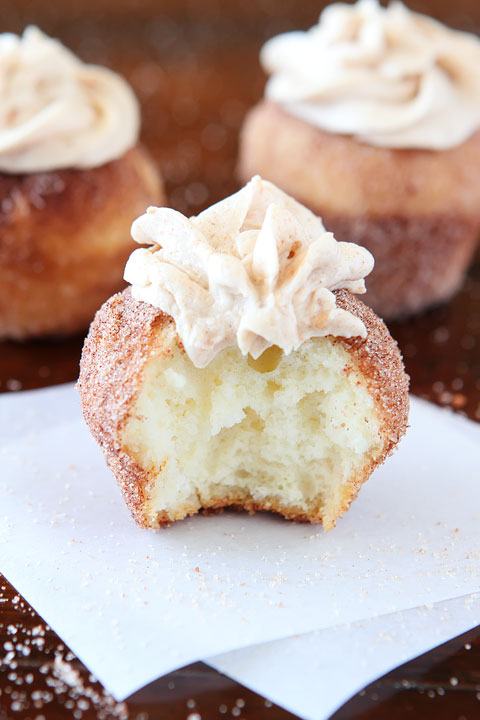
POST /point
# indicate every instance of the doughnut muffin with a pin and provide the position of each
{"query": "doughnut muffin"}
(372, 119)
(240, 370)
(72, 176)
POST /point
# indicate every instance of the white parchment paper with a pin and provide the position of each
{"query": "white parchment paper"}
(313, 675)
(134, 605)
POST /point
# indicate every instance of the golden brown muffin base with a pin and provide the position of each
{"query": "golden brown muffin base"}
(417, 211)
(64, 241)
(126, 334)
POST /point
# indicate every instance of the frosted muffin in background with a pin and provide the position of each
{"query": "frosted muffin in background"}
(72, 177)
(371, 118)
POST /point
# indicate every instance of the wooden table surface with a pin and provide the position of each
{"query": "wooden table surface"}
(194, 67)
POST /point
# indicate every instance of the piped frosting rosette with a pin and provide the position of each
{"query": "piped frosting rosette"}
(57, 111)
(386, 75)
(255, 270)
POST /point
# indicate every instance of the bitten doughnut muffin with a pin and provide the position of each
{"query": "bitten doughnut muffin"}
(372, 119)
(240, 370)
(72, 176)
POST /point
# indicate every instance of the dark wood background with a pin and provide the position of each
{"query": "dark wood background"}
(193, 64)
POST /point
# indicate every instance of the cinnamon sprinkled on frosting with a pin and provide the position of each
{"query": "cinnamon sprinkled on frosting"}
(58, 112)
(388, 76)
(255, 270)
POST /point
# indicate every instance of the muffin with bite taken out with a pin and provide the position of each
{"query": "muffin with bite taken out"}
(240, 369)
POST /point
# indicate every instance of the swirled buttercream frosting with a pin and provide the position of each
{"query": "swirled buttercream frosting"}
(388, 76)
(57, 111)
(255, 270)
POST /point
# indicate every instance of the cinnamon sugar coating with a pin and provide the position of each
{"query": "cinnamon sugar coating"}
(64, 241)
(126, 334)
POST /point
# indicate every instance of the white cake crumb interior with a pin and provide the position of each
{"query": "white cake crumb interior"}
(238, 431)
